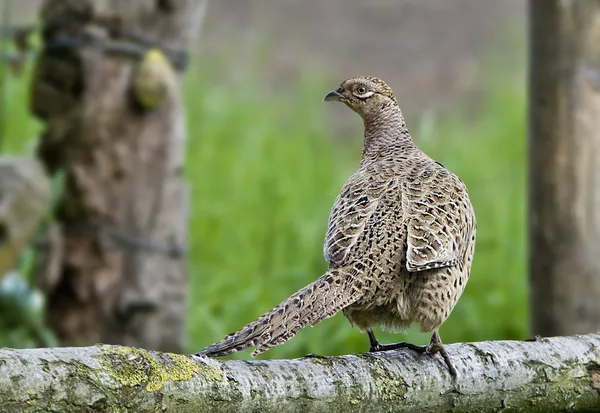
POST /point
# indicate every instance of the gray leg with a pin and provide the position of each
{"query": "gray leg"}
(373, 343)
(436, 346)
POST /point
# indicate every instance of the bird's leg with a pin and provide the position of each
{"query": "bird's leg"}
(373, 343)
(436, 346)
(376, 346)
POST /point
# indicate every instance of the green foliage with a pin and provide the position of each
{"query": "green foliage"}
(264, 167)
(22, 321)
(18, 129)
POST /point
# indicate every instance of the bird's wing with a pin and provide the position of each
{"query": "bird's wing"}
(351, 211)
(439, 218)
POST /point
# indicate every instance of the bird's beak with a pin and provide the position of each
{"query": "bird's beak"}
(333, 96)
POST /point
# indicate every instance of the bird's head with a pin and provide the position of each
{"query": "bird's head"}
(366, 95)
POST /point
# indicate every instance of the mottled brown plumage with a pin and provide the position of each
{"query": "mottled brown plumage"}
(399, 243)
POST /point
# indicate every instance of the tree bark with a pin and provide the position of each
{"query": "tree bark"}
(24, 199)
(548, 375)
(115, 272)
(564, 159)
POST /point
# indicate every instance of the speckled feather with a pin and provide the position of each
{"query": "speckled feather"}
(399, 243)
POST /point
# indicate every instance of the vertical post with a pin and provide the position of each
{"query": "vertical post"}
(111, 270)
(564, 162)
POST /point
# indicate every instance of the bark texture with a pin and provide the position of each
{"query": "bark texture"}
(114, 271)
(547, 375)
(24, 198)
(564, 159)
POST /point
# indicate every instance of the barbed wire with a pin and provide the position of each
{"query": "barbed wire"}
(127, 42)
(16, 57)
(17, 46)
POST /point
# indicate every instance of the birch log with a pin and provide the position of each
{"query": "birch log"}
(546, 375)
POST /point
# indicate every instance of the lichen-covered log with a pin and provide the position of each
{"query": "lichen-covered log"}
(114, 270)
(546, 375)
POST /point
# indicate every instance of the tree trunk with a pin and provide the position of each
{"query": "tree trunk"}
(548, 375)
(114, 272)
(564, 159)
(24, 199)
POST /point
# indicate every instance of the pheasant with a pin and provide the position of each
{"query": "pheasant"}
(399, 243)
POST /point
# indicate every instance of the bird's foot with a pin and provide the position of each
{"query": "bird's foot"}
(535, 338)
(434, 348)
(375, 345)
(403, 344)
(313, 356)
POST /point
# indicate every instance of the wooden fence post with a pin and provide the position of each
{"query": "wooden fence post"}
(564, 159)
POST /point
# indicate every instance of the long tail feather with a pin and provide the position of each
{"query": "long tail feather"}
(332, 292)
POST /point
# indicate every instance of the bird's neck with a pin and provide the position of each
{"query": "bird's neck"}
(386, 133)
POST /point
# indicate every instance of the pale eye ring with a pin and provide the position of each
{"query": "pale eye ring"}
(361, 90)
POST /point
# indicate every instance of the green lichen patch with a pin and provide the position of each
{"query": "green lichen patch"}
(210, 373)
(322, 360)
(137, 367)
(390, 386)
(16, 380)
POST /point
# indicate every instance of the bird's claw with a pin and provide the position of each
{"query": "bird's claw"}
(312, 355)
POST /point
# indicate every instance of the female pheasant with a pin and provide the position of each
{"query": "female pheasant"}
(399, 243)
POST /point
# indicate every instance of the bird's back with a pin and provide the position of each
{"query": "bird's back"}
(410, 223)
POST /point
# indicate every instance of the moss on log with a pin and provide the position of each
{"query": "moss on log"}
(546, 375)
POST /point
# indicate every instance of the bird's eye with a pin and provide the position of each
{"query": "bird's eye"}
(362, 92)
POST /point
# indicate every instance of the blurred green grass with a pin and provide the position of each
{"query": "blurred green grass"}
(264, 167)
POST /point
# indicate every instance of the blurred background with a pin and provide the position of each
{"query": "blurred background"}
(265, 158)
